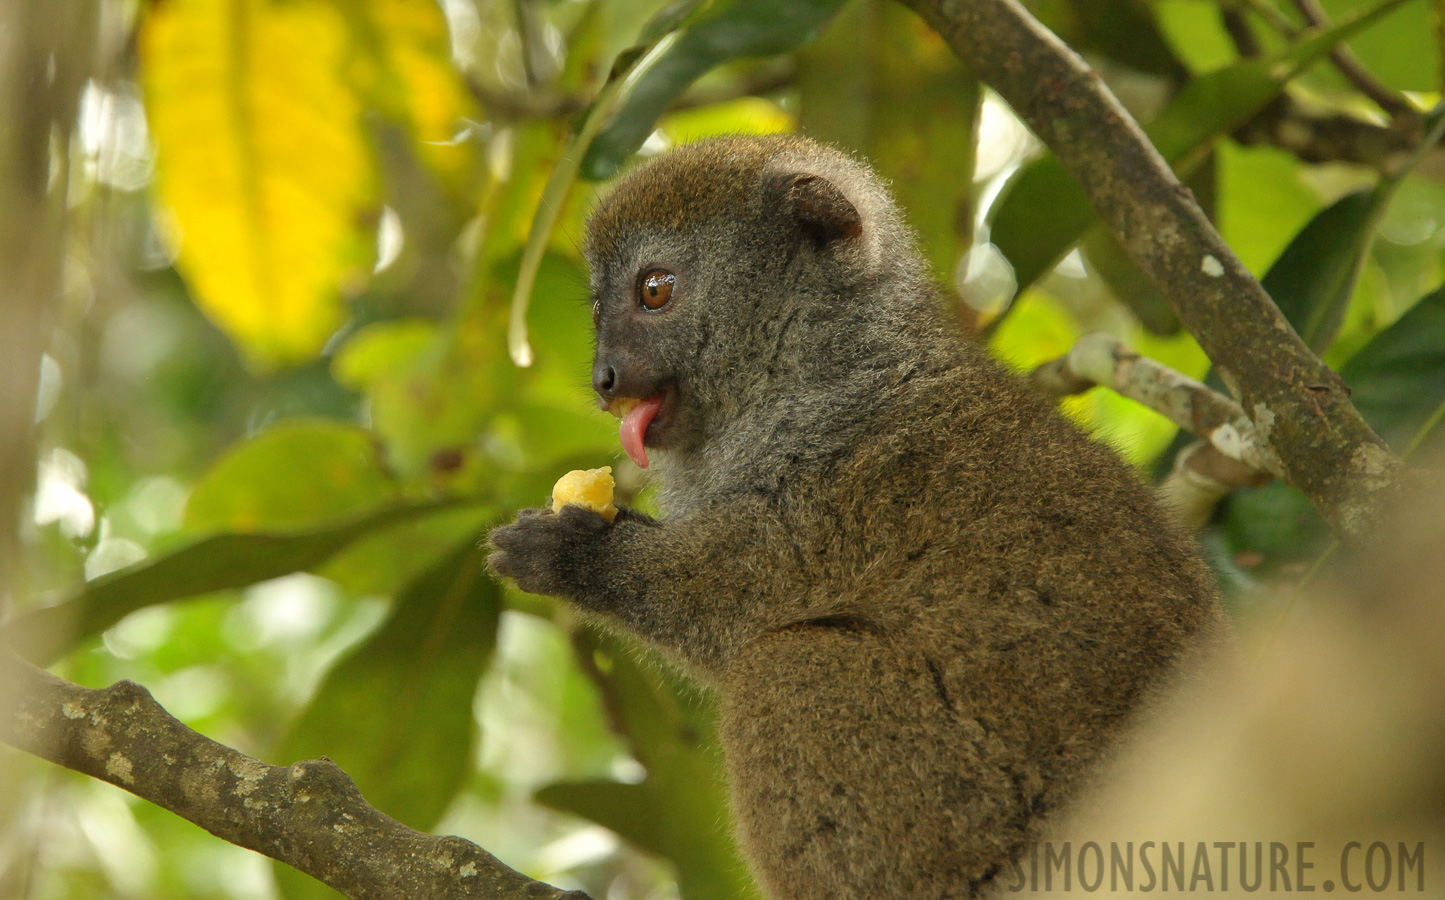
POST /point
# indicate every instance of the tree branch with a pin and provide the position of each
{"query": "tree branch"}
(1298, 405)
(1230, 455)
(1322, 137)
(1103, 359)
(1203, 476)
(1395, 105)
(308, 815)
(1328, 135)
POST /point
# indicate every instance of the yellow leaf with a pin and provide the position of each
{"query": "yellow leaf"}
(262, 163)
(421, 48)
(406, 70)
(747, 115)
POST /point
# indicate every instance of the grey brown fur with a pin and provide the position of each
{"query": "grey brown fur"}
(926, 601)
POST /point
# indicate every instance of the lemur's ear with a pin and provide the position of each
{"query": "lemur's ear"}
(819, 207)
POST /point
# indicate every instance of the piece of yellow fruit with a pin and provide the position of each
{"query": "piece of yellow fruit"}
(587, 488)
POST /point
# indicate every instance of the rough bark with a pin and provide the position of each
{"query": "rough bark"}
(1229, 456)
(1098, 358)
(308, 815)
(1300, 407)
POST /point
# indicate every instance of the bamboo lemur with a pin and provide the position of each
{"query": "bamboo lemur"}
(926, 602)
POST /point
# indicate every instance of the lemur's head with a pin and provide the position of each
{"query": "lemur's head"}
(724, 269)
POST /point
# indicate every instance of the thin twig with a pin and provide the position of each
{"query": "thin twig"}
(1103, 359)
(1236, 24)
(540, 104)
(1350, 66)
(1328, 136)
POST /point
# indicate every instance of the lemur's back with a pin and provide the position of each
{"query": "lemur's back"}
(1011, 591)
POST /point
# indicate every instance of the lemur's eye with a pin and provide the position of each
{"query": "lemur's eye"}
(596, 310)
(654, 289)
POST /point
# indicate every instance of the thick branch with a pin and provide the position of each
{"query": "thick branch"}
(308, 815)
(1299, 406)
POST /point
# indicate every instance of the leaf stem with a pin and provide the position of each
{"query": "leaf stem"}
(558, 185)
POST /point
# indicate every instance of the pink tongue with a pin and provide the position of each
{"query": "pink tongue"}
(634, 428)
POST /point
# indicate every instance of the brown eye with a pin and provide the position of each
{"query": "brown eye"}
(655, 289)
(596, 310)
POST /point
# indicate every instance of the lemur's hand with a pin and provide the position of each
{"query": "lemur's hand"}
(559, 554)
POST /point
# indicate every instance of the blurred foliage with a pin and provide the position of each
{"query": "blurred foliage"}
(262, 164)
(278, 413)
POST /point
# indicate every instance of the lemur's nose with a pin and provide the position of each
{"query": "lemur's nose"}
(604, 380)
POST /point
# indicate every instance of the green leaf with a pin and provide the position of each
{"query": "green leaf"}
(723, 32)
(296, 474)
(371, 355)
(625, 808)
(1263, 202)
(1041, 214)
(880, 83)
(1045, 211)
(562, 315)
(1398, 378)
(1277, 522)
(679, 811)
(430, 390)
(386, 559)
(1195, 33)
(216, 563)
(1315, 276)
(670, 18)
(396, 713)
(1314, 279)
(427, 393)
(1126, 31)
(1403, 51)
(552, 435)
(559, 185)
(1129, 286)
(1042, 329)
